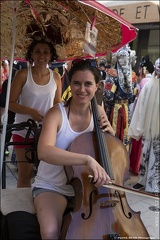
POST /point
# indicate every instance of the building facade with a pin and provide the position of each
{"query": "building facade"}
(145, 16)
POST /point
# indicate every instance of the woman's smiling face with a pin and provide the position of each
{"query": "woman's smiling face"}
(83, 86)
(41, 54)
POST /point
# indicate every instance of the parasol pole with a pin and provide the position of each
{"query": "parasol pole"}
(5, 116)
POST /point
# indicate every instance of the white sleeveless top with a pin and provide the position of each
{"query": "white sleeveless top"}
(40, 97)
(51, 176)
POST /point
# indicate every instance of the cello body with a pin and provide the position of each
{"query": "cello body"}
(100, 213)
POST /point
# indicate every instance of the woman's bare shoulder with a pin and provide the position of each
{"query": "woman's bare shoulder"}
(21, 75)
(20, 78)
(22, 72)
(57, 76)
(55, 110)
(53, 118)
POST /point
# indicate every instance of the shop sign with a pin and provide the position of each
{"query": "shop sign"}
(143, 12)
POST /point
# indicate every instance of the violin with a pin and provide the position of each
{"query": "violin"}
(101, 212)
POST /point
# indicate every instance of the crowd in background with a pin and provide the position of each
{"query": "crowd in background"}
(133, 110)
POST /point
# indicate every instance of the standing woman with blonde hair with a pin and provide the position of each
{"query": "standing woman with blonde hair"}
(34, 91)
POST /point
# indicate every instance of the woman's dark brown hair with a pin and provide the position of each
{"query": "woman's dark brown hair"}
(82, 65)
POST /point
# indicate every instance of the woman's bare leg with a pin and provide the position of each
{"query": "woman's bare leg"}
(50, 207)
(25, 169)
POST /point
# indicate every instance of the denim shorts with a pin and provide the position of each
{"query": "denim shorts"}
(36, 191)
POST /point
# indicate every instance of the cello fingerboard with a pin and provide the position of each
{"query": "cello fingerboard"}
(104, 158)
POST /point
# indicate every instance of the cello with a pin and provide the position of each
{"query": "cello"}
(100, 213)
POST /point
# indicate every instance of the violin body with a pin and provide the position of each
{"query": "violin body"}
(100, 213)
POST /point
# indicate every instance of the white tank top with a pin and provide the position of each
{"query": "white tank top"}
(51, 176)
(40, 97)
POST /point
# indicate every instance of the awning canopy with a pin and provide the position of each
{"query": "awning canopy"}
(64, 21)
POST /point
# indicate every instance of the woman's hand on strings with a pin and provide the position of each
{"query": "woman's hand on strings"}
(105, 124)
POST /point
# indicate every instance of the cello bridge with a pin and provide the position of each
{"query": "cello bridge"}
(109, 203)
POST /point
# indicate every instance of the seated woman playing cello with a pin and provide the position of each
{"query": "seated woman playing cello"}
(62, 124)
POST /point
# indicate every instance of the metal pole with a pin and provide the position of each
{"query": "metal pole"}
(5, 116)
